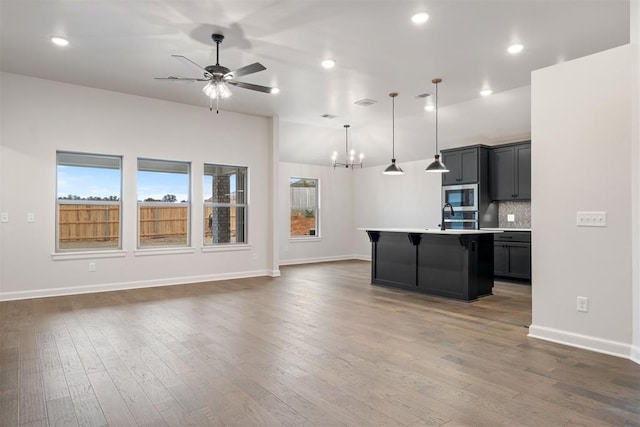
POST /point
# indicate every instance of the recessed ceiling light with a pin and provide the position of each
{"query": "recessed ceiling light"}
(328, 63)
(275, 90)
(515, 48)
(59, 41)
(486, 92)
(429, 107)
(420, 18)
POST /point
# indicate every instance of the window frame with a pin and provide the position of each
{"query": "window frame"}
(140, 203)
(59, 202)
(213, 205)
(318, 228)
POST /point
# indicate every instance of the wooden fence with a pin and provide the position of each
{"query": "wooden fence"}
(302, 198)
(162, 221)
(88, 222)
(100, 222)
(97, 222)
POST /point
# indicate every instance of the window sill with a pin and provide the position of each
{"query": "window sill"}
(305, 239)
(226, 248)
(163, 251)
(63, 256)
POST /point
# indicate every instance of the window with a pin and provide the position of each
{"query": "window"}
(225, 204)
(88, 205)
(163, 203)
(304, 207)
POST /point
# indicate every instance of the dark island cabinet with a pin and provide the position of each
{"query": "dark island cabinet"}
(462, 164)
(512, 255)
(450, 264)
(510, 171)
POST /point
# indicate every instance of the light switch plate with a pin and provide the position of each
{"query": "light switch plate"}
(4, 216)
(591, 219)
(31, 217)
(511, 217)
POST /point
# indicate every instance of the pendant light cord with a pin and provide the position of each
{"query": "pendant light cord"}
(393, 126)
(436, 81)
(437, 152)
(346, 141)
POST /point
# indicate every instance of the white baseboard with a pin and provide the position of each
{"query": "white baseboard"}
(362, 257)
(319, 259)
(586, 342)
(635, 354)
(108, 287)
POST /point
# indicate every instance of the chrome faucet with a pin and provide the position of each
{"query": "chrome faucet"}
(446, 205)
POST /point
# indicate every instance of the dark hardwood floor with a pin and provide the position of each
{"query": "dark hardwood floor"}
(317, 346)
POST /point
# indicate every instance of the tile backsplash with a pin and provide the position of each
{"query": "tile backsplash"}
(520, 210)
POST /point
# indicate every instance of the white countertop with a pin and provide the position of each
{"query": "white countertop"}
(505, 229)
(430, 231)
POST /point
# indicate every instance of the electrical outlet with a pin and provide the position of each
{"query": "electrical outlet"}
(511, 217)
(591, 219)
(92, 267)
(4, 217)
(583, 304)
(31, 217)
(255, 256)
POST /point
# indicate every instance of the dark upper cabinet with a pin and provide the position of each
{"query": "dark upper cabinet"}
(510, 172)
(523, 171)
(462, 164)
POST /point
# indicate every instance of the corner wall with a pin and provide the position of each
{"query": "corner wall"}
(336, 215)
(635, 121)
(581, 148)
(40, 116)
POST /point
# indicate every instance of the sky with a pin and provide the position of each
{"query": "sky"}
(103, 182)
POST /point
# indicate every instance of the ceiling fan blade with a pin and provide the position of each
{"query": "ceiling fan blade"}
(251, 86)
(182, 79)
(247, 69)
(188, 61)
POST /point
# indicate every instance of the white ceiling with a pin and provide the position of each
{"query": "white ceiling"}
(122, 45)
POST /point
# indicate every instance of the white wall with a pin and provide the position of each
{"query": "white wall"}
(41, 116)
(635, 121)
(581, 148)
(336, 215)
(409, 200)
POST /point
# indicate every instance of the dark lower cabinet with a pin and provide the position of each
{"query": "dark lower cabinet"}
(512, 255)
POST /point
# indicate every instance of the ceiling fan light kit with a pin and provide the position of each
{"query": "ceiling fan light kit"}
(218, 90)
(436, 165)
(393, 168)
(219, 78)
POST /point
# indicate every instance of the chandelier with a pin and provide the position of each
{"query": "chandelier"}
(350, 160)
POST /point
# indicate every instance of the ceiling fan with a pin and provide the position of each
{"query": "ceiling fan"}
(219, 77)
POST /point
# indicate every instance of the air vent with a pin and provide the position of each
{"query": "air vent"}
(365, 102)
(423, 95)
(328, 116)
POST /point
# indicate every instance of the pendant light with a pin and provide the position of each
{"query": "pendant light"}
(350, 161)
(393, 169)
(437, 165)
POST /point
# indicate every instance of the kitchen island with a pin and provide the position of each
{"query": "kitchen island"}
(451, 263)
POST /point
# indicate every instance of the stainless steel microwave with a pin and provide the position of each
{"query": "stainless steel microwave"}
(461, 197)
